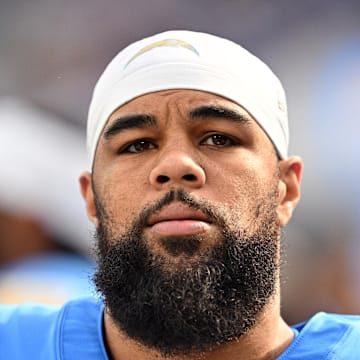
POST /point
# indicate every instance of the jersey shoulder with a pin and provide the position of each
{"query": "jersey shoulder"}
(35, 331)
(326, 336)
(27, 328)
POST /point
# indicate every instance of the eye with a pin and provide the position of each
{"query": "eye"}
(138, 147)
(219, 140)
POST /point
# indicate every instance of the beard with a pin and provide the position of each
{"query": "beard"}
(201, 304)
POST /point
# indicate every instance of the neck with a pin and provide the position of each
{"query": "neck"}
(268, 338)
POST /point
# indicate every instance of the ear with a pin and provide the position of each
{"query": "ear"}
(289, 188)
(88, 195)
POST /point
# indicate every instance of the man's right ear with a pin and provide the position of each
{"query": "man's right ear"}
(88, 195)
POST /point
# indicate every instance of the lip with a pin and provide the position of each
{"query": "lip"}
(178, 220)
(176, 212)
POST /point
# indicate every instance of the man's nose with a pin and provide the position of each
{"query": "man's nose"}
(177, 168)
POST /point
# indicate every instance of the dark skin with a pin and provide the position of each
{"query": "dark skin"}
(212, 148)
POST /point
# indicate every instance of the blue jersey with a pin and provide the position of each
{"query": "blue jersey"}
(75, 331)
(325, 337)
(43, 332)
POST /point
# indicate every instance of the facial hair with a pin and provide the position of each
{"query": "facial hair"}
(211, 301)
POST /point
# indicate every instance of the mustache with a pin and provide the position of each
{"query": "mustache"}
(179, 195)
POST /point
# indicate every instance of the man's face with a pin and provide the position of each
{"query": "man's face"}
(185, 197)
(202, 143)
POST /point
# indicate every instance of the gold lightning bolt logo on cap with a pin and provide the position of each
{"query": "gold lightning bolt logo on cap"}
(163, 43)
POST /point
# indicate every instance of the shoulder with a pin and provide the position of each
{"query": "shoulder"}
(326, 336)
(330, 324)
(26, 319)
(30, 330)
(24, 329)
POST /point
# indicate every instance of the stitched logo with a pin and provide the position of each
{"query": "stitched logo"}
(164, 43)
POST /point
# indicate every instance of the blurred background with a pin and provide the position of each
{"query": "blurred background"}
(51, 54)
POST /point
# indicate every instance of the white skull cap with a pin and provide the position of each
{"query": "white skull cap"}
(182, 59)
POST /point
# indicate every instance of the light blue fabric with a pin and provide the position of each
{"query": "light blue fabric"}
(326, 337)
(42, 332)
(74, 332)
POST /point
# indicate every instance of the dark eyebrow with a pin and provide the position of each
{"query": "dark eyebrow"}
(219, 112)
(129, 122)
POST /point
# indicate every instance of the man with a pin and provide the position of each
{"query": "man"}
(190, 187)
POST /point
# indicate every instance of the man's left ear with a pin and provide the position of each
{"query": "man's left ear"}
(289, 187)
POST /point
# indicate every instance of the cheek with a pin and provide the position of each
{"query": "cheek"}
(122, 199)
(241, 191)
(236, 182)
(243, 194)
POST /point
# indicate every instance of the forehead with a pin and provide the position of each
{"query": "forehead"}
(180, 100)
